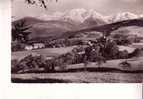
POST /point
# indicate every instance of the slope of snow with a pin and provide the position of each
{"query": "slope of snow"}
(121, 16)
(80, 15)
(76, 15)
(51, 16)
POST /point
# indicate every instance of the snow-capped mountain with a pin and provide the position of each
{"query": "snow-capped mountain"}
(88, 16)
(51, 16)
(80, 15)
(121, 16)
(76, 15)
(94, 21)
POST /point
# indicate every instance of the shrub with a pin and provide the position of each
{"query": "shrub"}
(29, 63)
(123, 54)
(16, 46)
(50, 65)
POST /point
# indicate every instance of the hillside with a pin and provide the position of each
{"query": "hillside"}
(41, 28)
(51, 29)
(56, 29)
(107, 28)
(130, 30)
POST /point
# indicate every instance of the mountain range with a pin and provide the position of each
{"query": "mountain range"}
(65, 24)
(80, 15)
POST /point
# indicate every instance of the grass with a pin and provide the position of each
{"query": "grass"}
(136, 64)
(48, 52)
(109, 72)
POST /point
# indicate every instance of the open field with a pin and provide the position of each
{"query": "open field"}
(136, 65)
(51, 52)
(48, 52)
(107, 73)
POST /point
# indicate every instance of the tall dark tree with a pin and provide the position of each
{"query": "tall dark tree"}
(20, 31)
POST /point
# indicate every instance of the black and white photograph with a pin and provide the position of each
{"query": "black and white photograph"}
(76, 41)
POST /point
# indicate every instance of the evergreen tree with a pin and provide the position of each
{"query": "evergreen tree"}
(20, 31)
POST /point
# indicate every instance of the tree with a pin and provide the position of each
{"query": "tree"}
(111, 50)
(122, 39)
(123, 54)
(20, 31)
(30, 63)
(97, 55)
(87, 55)
(100, 59)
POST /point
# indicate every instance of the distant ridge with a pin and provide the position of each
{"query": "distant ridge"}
(107, 28)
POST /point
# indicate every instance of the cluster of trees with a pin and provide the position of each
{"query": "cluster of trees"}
(109, 49)
(20, 31)
(17, 46)
(64, 43)
(124, 39)
(19, 34)
(31, 63)
(100, 52)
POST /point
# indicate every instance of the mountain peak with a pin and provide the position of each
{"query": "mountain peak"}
(81, 15)
(121, 17)
(76, 15)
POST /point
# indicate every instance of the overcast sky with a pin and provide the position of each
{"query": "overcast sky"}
(105, 7)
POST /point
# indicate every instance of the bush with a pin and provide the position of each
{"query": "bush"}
(15, 46)
(50, 65)
(122, 39)
(31, 63)
(28, 63)
(123, 54)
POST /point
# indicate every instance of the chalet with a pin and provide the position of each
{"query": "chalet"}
(38, 45)
(28, 47)
(34, 46)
